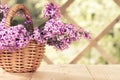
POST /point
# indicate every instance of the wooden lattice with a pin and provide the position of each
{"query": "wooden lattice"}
(117, 2)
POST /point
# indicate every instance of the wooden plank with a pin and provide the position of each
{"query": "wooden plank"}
(67, 72)
(94, 41)
(105, 54)
(62, 72)
(46, 59)
(117, 2)
(66, 5)
(103, 72)
(69, 19)
(14, 76)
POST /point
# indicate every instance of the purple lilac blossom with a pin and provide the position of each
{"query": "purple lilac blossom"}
(13, 38)
(52, 11)
(37, 36)
(4, 9)
(58, 34)
(84, 34)
(2, 24)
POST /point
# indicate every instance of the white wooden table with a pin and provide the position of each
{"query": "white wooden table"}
(67, 72)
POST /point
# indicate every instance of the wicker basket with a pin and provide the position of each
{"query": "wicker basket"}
(26, 59)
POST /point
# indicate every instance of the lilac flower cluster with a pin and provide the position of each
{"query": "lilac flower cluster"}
(60, 34)
(52, 11)
(2, 24)
(4, 9)
(13, 38)
(56, 33)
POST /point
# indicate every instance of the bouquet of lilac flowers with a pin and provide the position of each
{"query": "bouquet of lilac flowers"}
(56, 33)
(12, 38)
(52, 32)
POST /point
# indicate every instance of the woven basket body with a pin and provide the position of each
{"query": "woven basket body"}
(23, 60)
(26, 59)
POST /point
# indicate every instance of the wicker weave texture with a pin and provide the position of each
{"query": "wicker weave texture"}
(27, 59)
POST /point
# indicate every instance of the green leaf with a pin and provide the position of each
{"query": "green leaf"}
(43, 22)
(1, 16)
(14, 23)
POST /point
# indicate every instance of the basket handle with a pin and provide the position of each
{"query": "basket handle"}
(13, 10)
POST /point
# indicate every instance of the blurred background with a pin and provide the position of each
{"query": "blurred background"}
(93, 16)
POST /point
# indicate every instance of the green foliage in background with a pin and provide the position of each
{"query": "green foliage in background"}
(92, 15)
